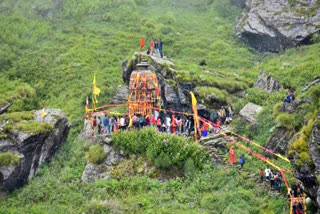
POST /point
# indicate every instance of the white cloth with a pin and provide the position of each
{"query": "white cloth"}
(122, 121)
(168, 119)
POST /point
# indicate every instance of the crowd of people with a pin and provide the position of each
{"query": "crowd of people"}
(273, 177)
(155, 48)
(170, 123)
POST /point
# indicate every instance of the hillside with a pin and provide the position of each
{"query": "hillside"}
(50, 50)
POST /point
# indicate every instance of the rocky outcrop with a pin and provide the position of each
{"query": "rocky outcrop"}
(249, 112)
(94, 172)
(279, 141)
(267, 82)
(122, 95)
(5, 108)
(274, 25)
(33, 149)
(173, 96)
(217, 145)
(309, 174)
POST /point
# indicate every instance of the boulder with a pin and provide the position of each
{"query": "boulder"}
(32, 150)
(249, 112)
(267, 82)
(274, 25)
(113, 157)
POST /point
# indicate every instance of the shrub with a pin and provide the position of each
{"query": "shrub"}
(157, 146)
(163, 161)
(286, 120)
(96, 154)
(189, 167)
(276, 109)
(7, 159)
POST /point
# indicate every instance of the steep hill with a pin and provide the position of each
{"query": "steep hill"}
(50, 50)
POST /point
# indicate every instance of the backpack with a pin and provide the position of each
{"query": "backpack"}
(141, 120)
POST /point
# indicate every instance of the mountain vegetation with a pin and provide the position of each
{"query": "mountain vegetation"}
(49, 52)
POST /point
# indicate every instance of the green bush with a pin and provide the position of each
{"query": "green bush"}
(163, 161)
(158, 147)
(7, 159)
(96, 154)
(189, 167)
(286, 120)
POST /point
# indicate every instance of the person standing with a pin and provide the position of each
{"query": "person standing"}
(94, 125)
(232, 157)
(261, 175)
(168, 124)
(153, 121)
(152, 47)
(106, 124)
(99, 123)
(159, 124)
(241, 160)
(141, 43)
(173, 124)
(156, 48)
(160, 48)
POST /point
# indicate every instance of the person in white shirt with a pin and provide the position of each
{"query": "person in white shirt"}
(168, 123)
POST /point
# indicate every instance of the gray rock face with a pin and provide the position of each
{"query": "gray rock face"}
(122, 95)
(32, 150)
(279, 141)
(249, 112)
(308, 174)
(274, 25)
(93, 172)
(267, 82)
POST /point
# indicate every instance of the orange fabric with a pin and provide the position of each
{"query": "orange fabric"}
(173, 123)
(152, 44)
(142, 43)
(232, 159)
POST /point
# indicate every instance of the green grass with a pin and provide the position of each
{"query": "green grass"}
(52, 59)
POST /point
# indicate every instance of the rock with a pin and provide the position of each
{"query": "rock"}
(267, 82)
(5, 108)
(309, 174)
(249, 112)
(274, 25)
(316, 81)
(121, 95)
(33, 150)
(279, 140)
(203, 62)
(239, 3)
(93, 172)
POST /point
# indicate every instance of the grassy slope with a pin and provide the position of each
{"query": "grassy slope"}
(58, 57)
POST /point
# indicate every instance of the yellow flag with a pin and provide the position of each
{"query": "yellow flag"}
(193, 100)
(96, 91)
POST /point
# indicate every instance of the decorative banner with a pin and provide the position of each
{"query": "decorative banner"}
(195, 115)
